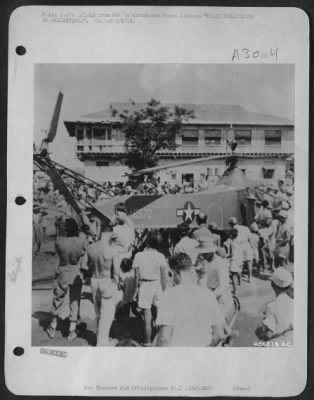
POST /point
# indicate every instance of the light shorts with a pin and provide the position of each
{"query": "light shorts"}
(149, 294)
(247, 251)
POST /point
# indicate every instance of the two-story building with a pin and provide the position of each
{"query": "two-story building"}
(268, 140)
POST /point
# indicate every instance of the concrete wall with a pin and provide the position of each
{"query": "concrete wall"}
(116, 144)
(112, 173)
(253, 170)
(213, 169)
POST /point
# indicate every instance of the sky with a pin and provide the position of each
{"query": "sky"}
(87, 88)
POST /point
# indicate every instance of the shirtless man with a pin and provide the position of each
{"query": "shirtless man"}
(103, 263)
(70, 249)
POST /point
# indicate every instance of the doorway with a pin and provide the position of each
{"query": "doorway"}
(188, 179)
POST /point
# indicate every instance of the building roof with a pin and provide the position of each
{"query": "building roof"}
(216, 114)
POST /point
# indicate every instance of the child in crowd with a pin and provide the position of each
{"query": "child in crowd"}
(127, 285)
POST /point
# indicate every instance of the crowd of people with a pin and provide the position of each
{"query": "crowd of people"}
(182, 282)
(88, 191)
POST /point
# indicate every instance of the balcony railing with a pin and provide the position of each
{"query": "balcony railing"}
(185, 149)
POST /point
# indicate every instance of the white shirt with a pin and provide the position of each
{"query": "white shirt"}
(262, 214)
(243, 233)
(192, 311)
(216, 276)
(243, 239)
(123, 238)
(279, 314)
(149, 263)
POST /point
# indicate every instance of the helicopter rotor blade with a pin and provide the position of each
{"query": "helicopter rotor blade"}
(196, 161)
(174, 165)
(55, 119)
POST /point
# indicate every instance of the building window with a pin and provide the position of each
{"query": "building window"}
(210, 171)
(89, 133)
(213, 171)
(79, 134)
(190, 137)
(273, 136)
(212, 136)
(268, 173)
(243, 136)
(102, 163)
(80, 148)
(188, 179)
(102, 134)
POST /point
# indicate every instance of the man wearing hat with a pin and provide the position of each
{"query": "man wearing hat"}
(282, 239)
(202, 229)
(243, 240)
(278, 322)
(186, 244)
(263, 213)
(189, 314)
(213, 273)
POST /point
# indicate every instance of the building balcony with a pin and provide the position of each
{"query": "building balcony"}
(192, 150)
(99, 149)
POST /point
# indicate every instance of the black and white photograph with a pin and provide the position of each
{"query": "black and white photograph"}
(163, 205)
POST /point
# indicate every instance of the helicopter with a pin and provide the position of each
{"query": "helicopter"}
(233, 195)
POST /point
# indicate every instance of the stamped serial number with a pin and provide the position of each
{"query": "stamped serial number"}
(272, 343)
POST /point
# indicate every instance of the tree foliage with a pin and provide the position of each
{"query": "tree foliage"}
(150, 129)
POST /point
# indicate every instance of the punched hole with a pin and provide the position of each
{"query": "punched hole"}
(20, 200)
(18, 351)
(20, 50)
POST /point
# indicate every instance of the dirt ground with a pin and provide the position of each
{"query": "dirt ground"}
(125, 331)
